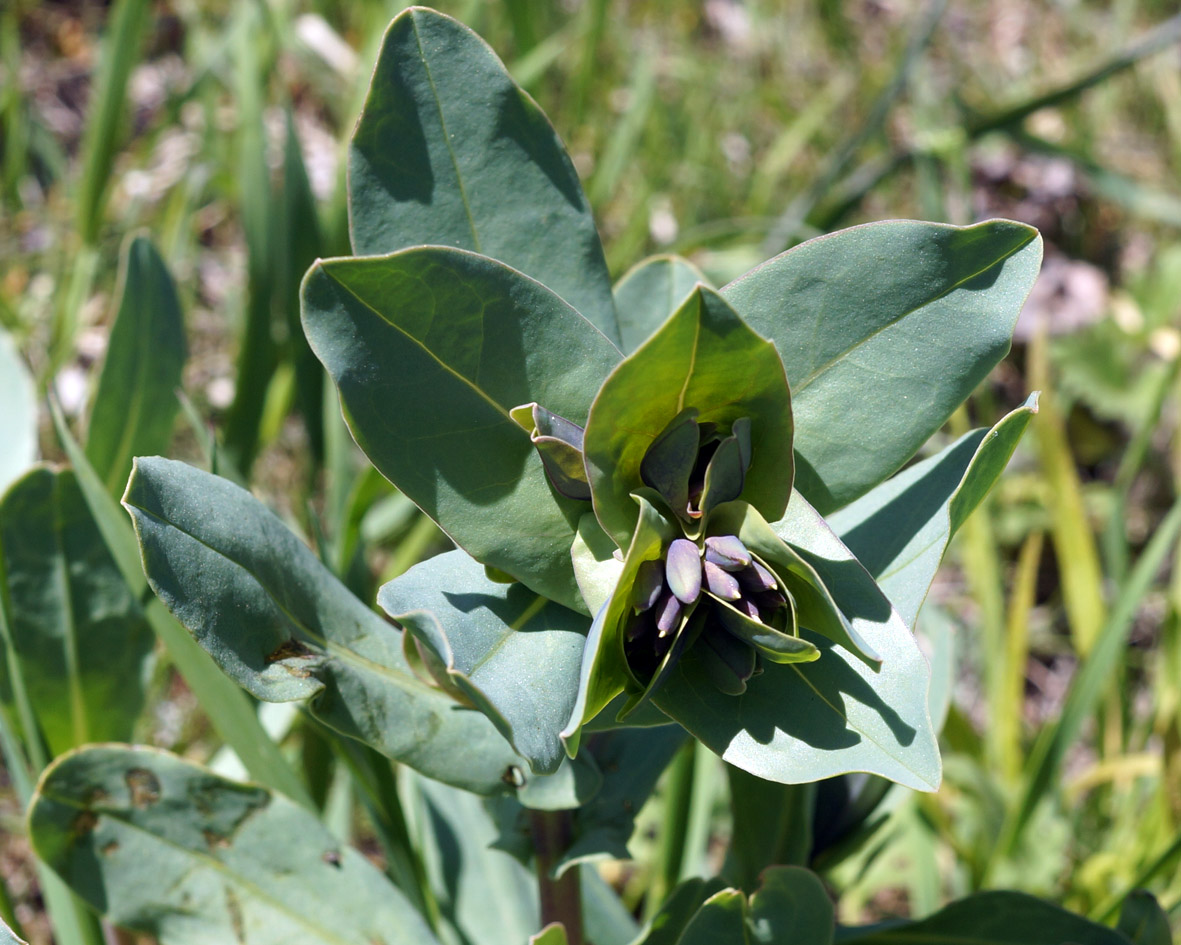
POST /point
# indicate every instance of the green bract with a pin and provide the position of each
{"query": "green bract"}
(652, 492)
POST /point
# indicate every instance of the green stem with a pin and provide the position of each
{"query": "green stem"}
(561, 899)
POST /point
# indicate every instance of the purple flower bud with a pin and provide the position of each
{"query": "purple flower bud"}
(668, 614)
(757, 578)
(649, 585)
(682, 570)
(721, 583)
(727, 552)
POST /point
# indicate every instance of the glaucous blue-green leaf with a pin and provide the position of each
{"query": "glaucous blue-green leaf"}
(284, 628)
(596, 568)
(431, 349)
(900, 529)
(167, 847)
(450, 151)
(79, 644)
(649, 293)
(990, 918)
(8, 937)
(790, 905)
(884, 330)
(605, 673)
(18, 419)
(1143, 921)
(514, 654)
(802, 722)
(704, 358)
(135, 402)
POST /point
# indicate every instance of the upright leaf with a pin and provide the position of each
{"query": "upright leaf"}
(431, 348)
(703, 358)
(284, 628)
(1143, 920)
(515, 654)
(649, 293)
(135, 401)
(901, 529)
(884, 330)
(167, 847)
(791, 905)
(449, 150)
(18, 419)
(79, 639)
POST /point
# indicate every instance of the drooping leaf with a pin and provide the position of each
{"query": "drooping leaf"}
(1143, 921)
(79, 640)
(803, 722)
(515, 654)
(990, 918)
(135, 402)
(284, 628)
(650, 292)
(18, 419)
(161, 845)
(884, 330)
(449, 150)
(901, 529)
(431, 349)
(791, 905)
(691, 362)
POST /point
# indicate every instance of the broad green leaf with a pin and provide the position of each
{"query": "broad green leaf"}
(284, 628)
(1143, 921)
(648, 293)
(884, 330)
(514, 654)
(703, 357)
(721, 918)
(232, 715)
(990, 918)
(552, 934)
(79, 640)
(802, 722)
(8, 937)
(677, 911)
(164, 846)
(135, 402)
(901, 529)
(449, 150)
(18, 419)
(791, 905)
(431, 349)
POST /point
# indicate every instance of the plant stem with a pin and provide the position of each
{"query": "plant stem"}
(561, 899)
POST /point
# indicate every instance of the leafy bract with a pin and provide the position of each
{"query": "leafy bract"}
(78, 644)
(449, 150)
(515, 654)
(884, 330)
(284, 628)
(650, 292)
(161, 845)
(900, 529)
(845, 711)
(703, 358)
(135, 402)
(18, 419)
(431, 349)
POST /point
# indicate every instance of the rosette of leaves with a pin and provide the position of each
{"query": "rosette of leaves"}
(658, 457)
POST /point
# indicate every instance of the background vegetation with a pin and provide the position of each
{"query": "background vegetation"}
(726, 131)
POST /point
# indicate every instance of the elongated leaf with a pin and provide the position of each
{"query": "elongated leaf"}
(791, 905)
(884, 330)
(135, 402)
(18, 419)
(990, 918)
(450, 151)
(230, 712)
(165, 846)
(649, 293)
(803, 722)
(78, 636)
(284, 628)
(704, 358)
(515, 654)
(431, 348)
(901, 529)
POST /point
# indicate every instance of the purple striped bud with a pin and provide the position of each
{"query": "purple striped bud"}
(727, 552)
(682, 570)
(721, 583)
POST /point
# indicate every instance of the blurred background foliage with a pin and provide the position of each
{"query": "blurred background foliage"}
(727, 131)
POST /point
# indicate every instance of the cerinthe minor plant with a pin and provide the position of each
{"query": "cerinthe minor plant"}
(678, 508)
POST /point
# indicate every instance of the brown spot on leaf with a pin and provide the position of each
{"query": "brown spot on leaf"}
(214, 840)
(289, 649)
(83, 823)
(332, 858)
(144, 787)
(513, 777)
(110, 847)
(234, 908)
